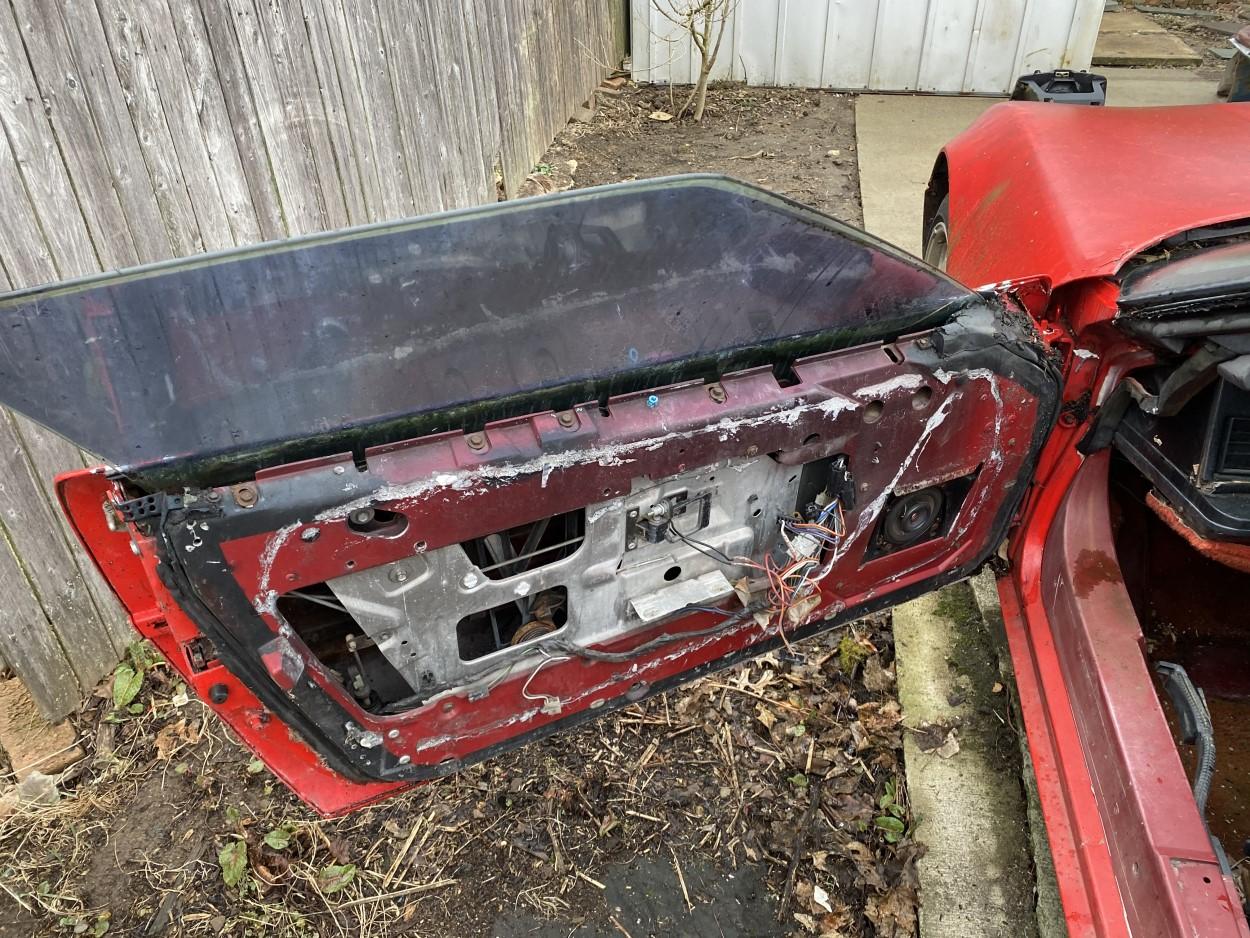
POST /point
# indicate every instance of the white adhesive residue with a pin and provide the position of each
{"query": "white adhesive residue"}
(615, 505)
(869, 513)
(611, 454)
(266, 600)
(973, 375)
(473, 481)
(909, 381)
(1084, 353)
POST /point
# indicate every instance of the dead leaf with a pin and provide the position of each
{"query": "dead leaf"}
(660, 116)
(865, 864)
(171, 737)
(880, 717)
(949, 747)
(876, 677)
(765, 716)
(821, 898)
(806, 921)
(937, 738)
(893, 913)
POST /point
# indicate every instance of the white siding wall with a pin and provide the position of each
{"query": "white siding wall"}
(944, 46)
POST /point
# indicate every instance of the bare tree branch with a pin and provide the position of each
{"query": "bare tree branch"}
(703, 22)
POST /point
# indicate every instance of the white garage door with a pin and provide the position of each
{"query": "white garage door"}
(945, 46)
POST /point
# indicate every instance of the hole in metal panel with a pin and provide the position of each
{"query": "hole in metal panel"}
(528, 546)
(516, 622)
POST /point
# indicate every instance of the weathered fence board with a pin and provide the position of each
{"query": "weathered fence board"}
(136, 130)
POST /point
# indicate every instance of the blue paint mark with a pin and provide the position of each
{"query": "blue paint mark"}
(633, 355)
(653, 400)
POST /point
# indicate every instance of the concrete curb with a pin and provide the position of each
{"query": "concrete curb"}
(1050, 920)
(976, 877)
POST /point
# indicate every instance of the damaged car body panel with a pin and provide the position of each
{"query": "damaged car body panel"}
(1123, 592)
(634, 434)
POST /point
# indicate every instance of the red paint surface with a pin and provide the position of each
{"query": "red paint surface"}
(458, 728)
(1039, 191)
(1066, 192)
(984, 427)
(156, 616)
(1135, 857)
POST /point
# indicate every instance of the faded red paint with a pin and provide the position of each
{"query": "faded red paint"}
(158, 618)
(1045, 192)
(1068, 193)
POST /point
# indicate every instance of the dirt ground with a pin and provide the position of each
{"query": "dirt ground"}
(681, 816)
(795, 142)
(677, 817)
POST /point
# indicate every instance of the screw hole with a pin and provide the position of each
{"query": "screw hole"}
(672, 573)
(921, 399)
(873, 412)
(350, 564)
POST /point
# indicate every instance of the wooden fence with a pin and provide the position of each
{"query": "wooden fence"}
(137, 130)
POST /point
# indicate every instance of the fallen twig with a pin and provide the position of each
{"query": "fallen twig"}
(800, 845)
(423, 887)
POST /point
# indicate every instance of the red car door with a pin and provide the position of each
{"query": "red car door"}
(397, 498)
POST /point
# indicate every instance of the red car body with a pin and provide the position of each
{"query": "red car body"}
(709, 337)
(1069, 195)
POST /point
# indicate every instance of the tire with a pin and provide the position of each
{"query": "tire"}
(937, 237)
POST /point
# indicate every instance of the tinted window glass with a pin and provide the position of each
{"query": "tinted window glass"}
(244, 350)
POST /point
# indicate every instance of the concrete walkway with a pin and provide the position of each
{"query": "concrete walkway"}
(899, 136)
(1130, 38)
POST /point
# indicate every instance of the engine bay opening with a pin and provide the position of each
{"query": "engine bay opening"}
(522, 620)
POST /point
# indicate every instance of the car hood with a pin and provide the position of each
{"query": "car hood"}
(1068, 192)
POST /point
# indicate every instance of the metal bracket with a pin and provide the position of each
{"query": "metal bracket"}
(648, 526)
(147, 506)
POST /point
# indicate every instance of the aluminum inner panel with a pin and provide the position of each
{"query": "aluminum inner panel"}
(411, 607)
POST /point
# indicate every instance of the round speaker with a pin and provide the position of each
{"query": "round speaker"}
(911, 517)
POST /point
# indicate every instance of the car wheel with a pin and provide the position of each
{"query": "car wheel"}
(937, 242)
